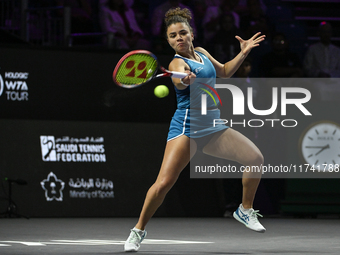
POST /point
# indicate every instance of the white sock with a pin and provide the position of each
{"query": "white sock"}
(138, 230)
(243, 209)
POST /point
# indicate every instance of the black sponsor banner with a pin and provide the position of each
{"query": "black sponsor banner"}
(79, 168)
(75, 85)
(85, 146)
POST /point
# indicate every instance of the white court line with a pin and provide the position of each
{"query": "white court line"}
(157, 241)
(25, 243)
(98, 242)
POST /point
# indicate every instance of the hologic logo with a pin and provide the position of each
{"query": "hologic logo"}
(1, 85)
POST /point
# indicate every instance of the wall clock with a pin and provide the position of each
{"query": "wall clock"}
(319, 145)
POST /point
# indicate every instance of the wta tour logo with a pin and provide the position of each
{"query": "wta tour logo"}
(53, 187)
(14, 86)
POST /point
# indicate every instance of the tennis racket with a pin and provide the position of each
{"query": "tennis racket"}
(139, 67)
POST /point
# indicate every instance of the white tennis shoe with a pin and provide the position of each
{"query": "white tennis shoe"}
(134, 240)
(249, 218)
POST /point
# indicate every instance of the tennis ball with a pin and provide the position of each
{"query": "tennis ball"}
(161, 91)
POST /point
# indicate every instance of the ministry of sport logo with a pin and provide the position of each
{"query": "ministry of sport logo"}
(53, 187)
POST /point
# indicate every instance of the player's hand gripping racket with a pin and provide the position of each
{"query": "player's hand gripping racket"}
(139, 67)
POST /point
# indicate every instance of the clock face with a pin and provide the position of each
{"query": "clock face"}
(320, 145)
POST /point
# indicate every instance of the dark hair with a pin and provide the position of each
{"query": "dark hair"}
(178, 15)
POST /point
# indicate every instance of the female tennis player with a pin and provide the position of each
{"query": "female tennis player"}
(222, 141)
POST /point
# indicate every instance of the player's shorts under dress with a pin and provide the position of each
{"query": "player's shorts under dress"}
(188, 119)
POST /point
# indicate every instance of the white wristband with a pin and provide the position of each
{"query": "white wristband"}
(184, 83)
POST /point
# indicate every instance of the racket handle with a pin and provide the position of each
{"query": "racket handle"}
(178, 74)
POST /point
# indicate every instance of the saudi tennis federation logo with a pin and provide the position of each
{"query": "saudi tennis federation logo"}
(48, 151)
(204, 97)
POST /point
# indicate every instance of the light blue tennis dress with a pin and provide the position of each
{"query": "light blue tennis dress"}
(188, 119)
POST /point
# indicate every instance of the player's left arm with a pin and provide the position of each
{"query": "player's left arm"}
(227, 69)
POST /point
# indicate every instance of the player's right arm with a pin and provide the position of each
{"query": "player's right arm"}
(179, 65)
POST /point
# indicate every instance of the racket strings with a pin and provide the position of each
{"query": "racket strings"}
(136, 69)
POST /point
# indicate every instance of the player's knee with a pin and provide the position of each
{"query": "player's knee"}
(255, 159)
(163, 186)
(258, 159)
